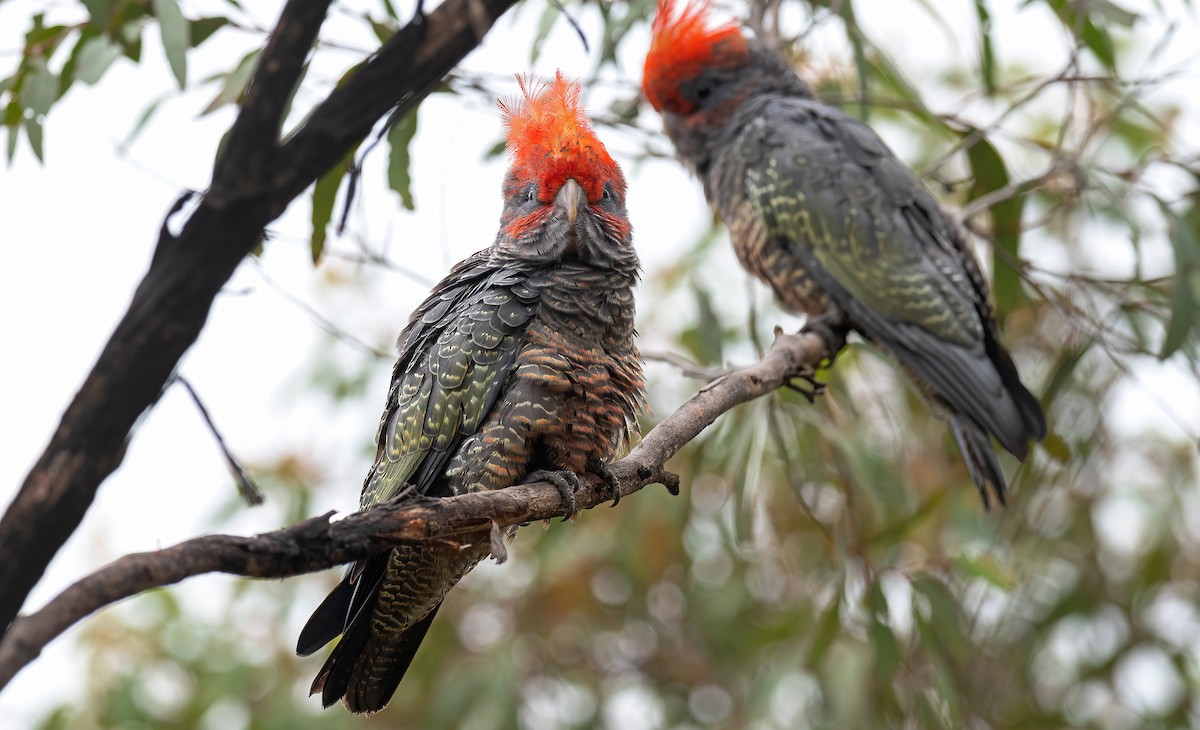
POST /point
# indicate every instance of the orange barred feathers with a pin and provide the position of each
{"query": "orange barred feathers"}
(681, 46)
(550, 139)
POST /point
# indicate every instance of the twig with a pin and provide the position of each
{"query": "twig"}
(322, 321)
(686, 366)
(317, 544)
(249, 490)
(574, 25)
(255, 178)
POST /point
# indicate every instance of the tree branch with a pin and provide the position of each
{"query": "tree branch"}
(317, 544)
(254, 179)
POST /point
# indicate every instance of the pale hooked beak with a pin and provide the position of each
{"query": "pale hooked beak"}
(568, 198)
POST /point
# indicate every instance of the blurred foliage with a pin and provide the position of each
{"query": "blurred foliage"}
(827, 565)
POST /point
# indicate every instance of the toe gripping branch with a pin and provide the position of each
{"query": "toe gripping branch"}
(612, 485)
(565, 481)
(568, 482)
(832, 328)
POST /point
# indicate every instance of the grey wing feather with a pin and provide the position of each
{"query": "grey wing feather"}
(921, 294)
(439, 351)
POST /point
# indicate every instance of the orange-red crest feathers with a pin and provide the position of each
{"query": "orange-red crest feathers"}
(550, 139)
(682, 45)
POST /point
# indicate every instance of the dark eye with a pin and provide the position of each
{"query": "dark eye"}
(530, 194)
(606, 195)
(703, 92)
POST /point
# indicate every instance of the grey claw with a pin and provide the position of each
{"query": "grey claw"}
(565, 481)
(611, 482)
(832, 329)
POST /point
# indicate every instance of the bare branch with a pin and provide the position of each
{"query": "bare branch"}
(317, 544)
(686, 367)
(246, 486)
(254, 179)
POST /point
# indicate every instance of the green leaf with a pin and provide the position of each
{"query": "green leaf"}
(95, 56)
(141, 122)
(945, 613)
(987, 58)
(33, 131)
(855, 36)
(201, 29)
(1064, 370)
(705, 340)
(101, 12)
(129, 35)
(550, 15)
(399, 162)
(991, 175)
(1057, 448)
(1113, 13)
(495, 150)
(1079, 18)
(42, 40)
(383, 31)
(887, 651)
(176, 37)
(826, 630)
(1185, 296)
(323, 197)
(883, 641)
(70, 69)
(40, 88)
(985, 567)
(235, 82)
(1100, 43)
(14, 132)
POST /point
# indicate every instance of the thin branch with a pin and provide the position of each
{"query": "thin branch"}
(255, 177)
(322, 321)
(164, 319)
(249, 490)
(317, 544)
(686, 367)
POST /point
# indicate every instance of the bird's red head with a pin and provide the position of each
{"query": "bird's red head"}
(563, 195)
(550, 140)
(685, 43)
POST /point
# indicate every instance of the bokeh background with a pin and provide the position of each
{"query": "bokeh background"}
(826, 565)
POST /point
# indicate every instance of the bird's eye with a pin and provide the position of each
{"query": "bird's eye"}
(703, 92)
(606, 195)
(530, 195)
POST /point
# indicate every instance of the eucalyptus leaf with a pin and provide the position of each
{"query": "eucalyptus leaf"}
(176, 37)
(95, 56)
(991, 175)
(40, 88)
(1185, 297)
(399, 171)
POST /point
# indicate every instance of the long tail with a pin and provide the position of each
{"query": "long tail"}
(366, 669)
(977, 452)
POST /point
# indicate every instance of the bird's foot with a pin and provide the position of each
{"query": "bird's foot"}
(805, 374)
(811, 391)
(612, 485)
(831, 327)
(565, 481)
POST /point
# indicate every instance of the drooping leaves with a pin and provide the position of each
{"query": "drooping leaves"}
(991, 178)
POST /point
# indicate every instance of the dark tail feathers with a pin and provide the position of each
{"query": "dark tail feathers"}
(327, 621)
(1032, 417)
(980, 457)
(366, 669)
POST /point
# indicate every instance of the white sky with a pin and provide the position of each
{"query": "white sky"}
(79, 232)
